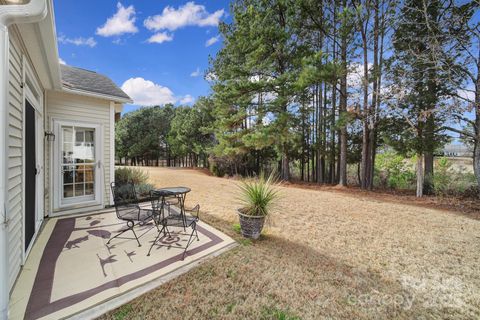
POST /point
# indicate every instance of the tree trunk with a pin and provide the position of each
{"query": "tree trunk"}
(476, 148)
(420, 178)
(285, 174)
(372, 137)
(365, 162)
(428, 177)
(365, 156)
(332, 176)
(476, 156)
(429, 133)
(320, 163)
(343, 108)
(373, 154)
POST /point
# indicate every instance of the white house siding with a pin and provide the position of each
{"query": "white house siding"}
(72, 107)
(15, 161)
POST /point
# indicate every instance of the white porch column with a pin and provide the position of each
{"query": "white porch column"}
(34, 11)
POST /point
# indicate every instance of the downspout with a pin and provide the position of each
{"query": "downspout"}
(34, 11)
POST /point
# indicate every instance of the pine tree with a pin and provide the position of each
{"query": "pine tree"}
(419, 81)
(257, 60)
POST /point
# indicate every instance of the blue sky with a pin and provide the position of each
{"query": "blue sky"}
(157, 50)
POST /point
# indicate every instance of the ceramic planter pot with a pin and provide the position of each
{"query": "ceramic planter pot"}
(251, 226)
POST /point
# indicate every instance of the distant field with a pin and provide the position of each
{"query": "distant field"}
(464, 164)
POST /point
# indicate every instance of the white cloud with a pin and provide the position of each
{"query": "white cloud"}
(123, 21)
(61, 61)
(79, 41)
(160, 37)
(196, 73)
(188, 99)
(211, 41)
(356, 74)
(147, 93)
(190, 14)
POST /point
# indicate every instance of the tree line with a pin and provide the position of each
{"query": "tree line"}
(165, 135)
(317, 87)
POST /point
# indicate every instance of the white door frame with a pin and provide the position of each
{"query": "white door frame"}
(33, 93)
(56, 170)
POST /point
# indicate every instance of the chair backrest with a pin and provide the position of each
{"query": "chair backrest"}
(124, 197)
(156, 199)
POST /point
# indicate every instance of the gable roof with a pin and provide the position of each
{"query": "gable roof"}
(86, 81)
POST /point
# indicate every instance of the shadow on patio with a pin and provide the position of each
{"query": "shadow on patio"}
(71, 270)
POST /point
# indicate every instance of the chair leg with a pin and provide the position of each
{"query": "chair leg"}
(118, 234)
(196, 233)
(189, 242)
(167, 232)
(156, 223)
(130, 225)
(136, 237)
(155, 241)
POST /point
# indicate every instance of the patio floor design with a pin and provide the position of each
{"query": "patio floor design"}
(71, 268)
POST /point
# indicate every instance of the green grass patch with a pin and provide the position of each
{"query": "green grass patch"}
(231, 274)
(122, 312)
(245, 242)
(236, 228)
(230, 307)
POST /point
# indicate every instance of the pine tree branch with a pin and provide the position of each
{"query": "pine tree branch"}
(462, 132)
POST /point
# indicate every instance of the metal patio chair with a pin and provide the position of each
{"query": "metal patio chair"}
(128, 209)
(181, 220)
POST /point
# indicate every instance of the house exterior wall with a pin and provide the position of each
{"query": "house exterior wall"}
(18, 61)
(15, 162)
(62, 106)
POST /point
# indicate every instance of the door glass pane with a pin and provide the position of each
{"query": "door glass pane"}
(89, 190)
(88, 175)
(79, 176)
(78, 166)
(89, 136)
(79, 136)
(68, 190)
(68, 176)
(79, 190)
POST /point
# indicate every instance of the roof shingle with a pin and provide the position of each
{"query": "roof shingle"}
(86, 80)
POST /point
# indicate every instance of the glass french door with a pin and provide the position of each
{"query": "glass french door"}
(78, 164)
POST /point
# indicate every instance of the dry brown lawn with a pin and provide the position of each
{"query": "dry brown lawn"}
(327, 254)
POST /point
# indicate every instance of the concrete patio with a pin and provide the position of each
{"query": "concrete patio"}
(72, 272)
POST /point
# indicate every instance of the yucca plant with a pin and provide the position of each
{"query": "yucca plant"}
(257, 198)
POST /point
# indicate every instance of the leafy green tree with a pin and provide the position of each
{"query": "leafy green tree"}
(141, 134)
(190, 131)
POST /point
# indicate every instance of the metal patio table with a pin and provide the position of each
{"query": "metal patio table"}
(178, 192)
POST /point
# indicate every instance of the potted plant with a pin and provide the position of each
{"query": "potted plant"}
(257, 198)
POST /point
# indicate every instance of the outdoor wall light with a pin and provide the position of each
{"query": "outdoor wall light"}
(50, 136)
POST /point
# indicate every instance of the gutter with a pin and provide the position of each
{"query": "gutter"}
(34, 11)
(96, 95)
